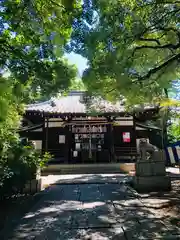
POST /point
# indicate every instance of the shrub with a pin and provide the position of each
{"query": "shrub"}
(18, 165)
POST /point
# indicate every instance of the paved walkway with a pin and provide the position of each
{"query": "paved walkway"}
(98, 211)
(84, 178)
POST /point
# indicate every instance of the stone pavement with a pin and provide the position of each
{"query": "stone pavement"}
(84, 178)
(96, 211)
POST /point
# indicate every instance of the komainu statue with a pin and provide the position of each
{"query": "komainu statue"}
(147, 150)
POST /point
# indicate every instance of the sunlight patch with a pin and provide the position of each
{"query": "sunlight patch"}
(93, 204)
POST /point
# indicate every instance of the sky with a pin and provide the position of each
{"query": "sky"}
(78, 60)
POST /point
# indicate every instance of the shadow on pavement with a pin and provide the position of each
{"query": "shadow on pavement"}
(92, 211)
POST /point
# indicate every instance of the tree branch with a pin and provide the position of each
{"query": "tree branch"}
(111, 90)
(21, 15)
(156, 69)
(149, 28)
(155, 3)
(149, 40)
(166, 29)
(170, 46)
(168, 2)
(166, 92)
(57, 4)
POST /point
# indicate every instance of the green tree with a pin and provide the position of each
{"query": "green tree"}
(32, 39)
(33, 35)
(133, 47)
(173, 129)
(174, 132)
(77, 84)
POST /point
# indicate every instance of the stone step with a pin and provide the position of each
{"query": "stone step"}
(88, 168)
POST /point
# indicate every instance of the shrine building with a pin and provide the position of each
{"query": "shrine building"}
(74, 130)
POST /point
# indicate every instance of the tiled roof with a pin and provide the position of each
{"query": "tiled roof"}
(73, 104)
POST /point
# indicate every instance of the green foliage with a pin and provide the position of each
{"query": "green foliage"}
(174, 132)
(174, 127)
(33, 35)
(133, 47)
(32, 39)
(18, 164)
(10, 110)
(77, 84)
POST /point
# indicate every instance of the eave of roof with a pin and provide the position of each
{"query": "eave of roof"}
(148, 127)
(28, 128)
(73, 104)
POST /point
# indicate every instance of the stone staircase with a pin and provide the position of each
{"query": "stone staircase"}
(88, 168)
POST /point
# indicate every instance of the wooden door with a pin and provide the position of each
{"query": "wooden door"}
(57, 143)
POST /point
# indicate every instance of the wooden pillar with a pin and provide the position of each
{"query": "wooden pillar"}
(43, 136)
(68, 143)
(46, 135)
(112, 159)
(135, 136)
(111, 138)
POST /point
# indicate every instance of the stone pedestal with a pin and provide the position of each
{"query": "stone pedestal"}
(151, 175)
(34, 185)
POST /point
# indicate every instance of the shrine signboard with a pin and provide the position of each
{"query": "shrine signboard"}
(89, 129)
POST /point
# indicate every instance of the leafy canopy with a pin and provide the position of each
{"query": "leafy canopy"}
(174, 127)
(32, 38)
(33, 34)
(133, 47)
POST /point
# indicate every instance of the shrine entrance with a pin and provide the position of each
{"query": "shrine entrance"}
(89, 143)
